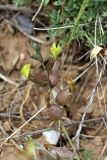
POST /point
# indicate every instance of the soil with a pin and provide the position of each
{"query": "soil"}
(15, 51)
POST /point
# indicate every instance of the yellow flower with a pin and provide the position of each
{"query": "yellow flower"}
(55, 50)
(25, 71)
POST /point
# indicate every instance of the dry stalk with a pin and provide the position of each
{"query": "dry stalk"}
(38, 10)
(6, 79)
(17, 130)
(89, 105)
(6, 135)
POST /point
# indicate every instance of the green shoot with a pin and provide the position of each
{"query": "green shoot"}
(55, 50)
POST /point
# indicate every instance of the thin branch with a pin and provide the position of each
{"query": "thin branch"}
(15, 8)
(4, 115)
(22, 126)
(20, 9)
(85, 71)
(101, 27)
(53, 28)
(103, 150)
(5, 134)
(76, 138)
(97, 75)
(91, 97)
(6, 79)
(85, 55)
(38, 10)
(95, 32)
(56, 28)
(100, 106)
(89, 39)
(31, 133)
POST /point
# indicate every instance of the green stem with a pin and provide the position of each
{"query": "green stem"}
(81, 11)
(69, 140)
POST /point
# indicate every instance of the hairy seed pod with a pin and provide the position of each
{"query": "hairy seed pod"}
(53, 78)
(63, 97)
(54, 74)
(39, 79)
(55, 112)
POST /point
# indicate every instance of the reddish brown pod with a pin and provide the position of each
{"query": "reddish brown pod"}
(54, 74)
(63, 97)
(53, 78)
(39, 79)
(55, 112)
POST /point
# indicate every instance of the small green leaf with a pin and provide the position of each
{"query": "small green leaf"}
(37, 55)
(25, 71)
(57, 3)
(55, 50)
(46, 2)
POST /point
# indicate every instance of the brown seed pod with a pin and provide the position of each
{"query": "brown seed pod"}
(53, 78)
(63, 97)
(54, 74)
(39, 79)
(55, 112)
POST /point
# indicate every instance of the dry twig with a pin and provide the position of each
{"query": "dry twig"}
(38, 10)
(6, 135)
(6, 79)
(17, 130)
(91, 97)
